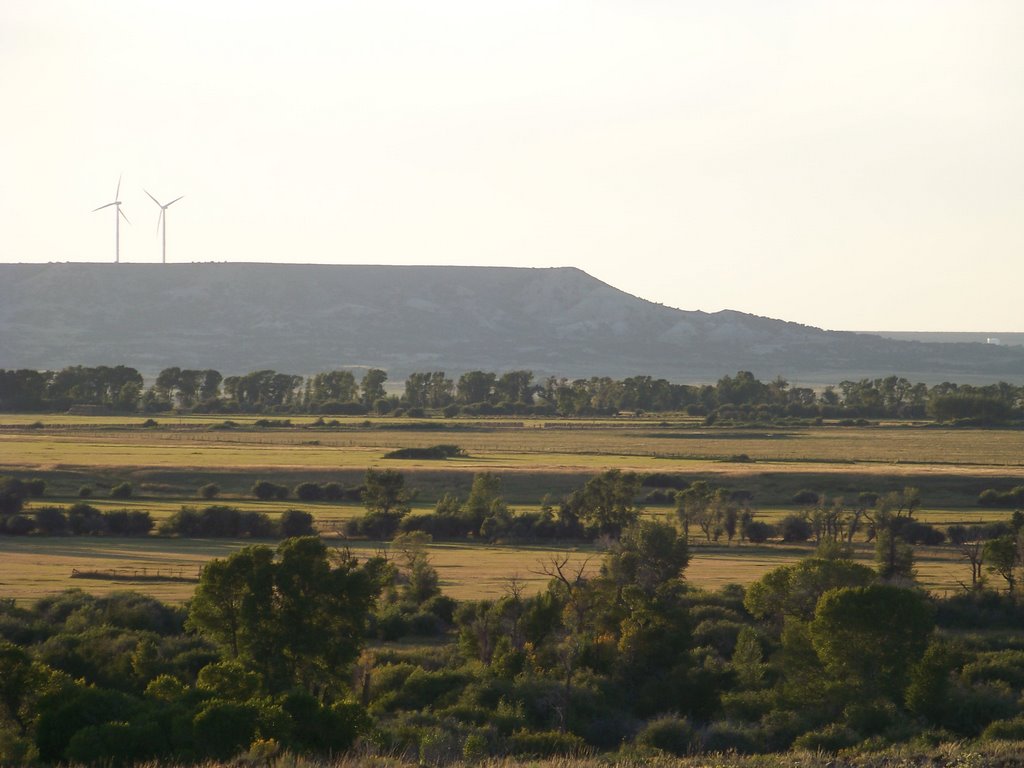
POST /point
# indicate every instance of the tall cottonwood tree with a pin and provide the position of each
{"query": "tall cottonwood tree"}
(296, 616)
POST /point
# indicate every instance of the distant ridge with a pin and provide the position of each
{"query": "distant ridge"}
(238, 317)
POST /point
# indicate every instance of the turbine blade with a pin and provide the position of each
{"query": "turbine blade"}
(122, 214)
(159, 219)
(173, 202)
(152, 198)
(103, 206)
(118, 186)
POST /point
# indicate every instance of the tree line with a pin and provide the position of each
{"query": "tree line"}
(739, 397)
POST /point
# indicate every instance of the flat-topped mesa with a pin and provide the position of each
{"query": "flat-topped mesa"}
(303, 318)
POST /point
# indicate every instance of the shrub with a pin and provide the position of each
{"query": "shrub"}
(443, 607)
(423, 688)
(308, 492)
(391, 623)
(831, 738)
(264, 490)
(128, 522)
(85, 491)
(723, 736)
(806, 497)
(749, 705)
(295, 522)
(256, 525)
(795, 528)
(35, 487)
(51, 521)
(223, 729)
(720, 635)
(539, 744)
(333, 492)
(992, 666)
(16, 525)
(121, 491)
(1005, 730)
(758, 532)
(184, 522)
(424, 624)
(990, 497)
(208, 491)
(436, 452)
(374, 525)
(84, 520)
(12, 495)
(670, 733)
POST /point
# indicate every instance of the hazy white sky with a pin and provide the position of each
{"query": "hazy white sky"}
(852, 165)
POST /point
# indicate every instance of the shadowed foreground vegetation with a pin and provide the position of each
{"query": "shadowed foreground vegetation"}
(299, 650)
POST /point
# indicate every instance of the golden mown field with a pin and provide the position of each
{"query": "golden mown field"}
(534, 457)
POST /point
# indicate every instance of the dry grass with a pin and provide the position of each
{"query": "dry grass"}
(534, 456)
(33, 567)
(529, 447)
(999, 754)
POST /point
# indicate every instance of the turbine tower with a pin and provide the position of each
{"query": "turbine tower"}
(163, 220)
(117, 221)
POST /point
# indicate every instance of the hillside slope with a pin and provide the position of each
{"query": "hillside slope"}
(304, 318)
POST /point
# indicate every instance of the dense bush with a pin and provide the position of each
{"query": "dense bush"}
(795, 528)
(672, 734)
(724, 736)
(264, 490)
(1005, 730)
(13, 493)
(540, 744)
(435, 452)
(1014, 497)
(79, 520)
(831, 738)
(219, 521)
(121, 491)
(295, 522)
(208, 491)
(758, 532)
(308, 492)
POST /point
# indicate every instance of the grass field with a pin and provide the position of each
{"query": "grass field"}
(36, 566)
(534, 457)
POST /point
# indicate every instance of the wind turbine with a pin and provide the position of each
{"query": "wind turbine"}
(163, 220)
(117, 221)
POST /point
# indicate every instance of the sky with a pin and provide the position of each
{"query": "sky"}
(848, 165)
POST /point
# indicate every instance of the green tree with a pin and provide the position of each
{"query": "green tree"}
(484, 500)
(608, 501)
(295, 616)
(372, 386)
(648, 554)
(871, 637)
(515, 387)
(1003, 556)
(384, 492)
(475, 387)
(793, 590)
(13, 494)
(893, 556)
(333, 385)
